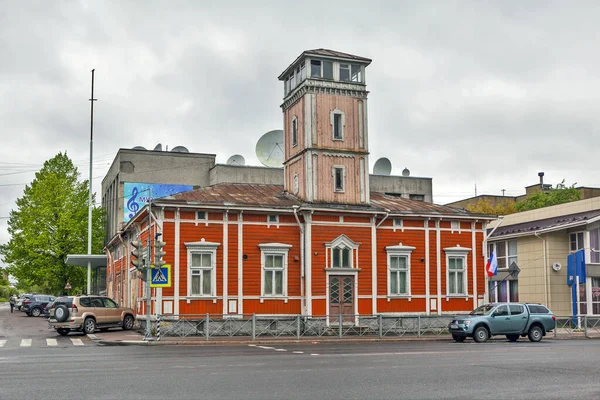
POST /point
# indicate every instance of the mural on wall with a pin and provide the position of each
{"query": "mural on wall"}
(138, 194)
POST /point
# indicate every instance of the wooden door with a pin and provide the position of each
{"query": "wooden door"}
(341, 298)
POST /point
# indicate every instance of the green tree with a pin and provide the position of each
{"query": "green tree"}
(558, 195)
(50, 222)
(485, 207)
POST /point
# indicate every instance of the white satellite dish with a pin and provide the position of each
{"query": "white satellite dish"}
(236, 159)
(405, 172)
(269, 149)
(179, 149)
(139, 148)
(158, 147)
(383, 166)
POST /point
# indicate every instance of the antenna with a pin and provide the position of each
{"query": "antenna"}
(236, 159)
(383, 166)
(269, 149)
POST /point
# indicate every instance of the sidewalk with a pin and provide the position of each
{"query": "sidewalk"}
(132, 338)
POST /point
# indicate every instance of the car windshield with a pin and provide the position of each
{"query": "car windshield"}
(483, 310)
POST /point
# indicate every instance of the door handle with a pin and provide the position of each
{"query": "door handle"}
(523, 317)
(507, 318)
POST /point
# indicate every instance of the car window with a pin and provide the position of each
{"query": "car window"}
(85, 301)
(537, 309)
(516, 309)
(67, 301)
(109, 303)
(501, 311)
(96, 302)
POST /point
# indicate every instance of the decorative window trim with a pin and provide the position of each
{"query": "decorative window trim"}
(202, 247)
(274, 249)
(294, 131)
(399, 251)
(342, 115)
(333, 172)
(457, 252)
(272, 219)
(342, 242)
(201, 220)
(455, 226)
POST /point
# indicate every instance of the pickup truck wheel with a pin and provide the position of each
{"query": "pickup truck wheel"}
(481, 335)
(458, 339)
(63, 331)
(535, 333)
(512, 338)
(89, 326)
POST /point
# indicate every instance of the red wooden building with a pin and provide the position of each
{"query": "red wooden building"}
(322, 244)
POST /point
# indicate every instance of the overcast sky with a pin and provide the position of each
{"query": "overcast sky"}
(466, 92)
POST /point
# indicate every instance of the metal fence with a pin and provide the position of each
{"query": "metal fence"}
(212, 326)
(257, 327)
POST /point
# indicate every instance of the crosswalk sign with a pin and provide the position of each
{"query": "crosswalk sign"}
(161, 277)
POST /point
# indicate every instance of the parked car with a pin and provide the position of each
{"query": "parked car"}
(34, 305)
(21, 299)
(511, 319)
(87, 313)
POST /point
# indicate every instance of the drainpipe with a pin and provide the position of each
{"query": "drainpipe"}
(125, 248)
(374, 227)
(295, 208)
(112, 268)
(546, 294)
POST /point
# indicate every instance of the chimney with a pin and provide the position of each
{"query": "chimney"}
(541, 175)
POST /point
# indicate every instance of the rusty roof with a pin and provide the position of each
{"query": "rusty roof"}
(273, 196)
(324, 53)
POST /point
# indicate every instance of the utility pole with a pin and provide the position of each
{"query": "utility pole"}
(148, 334)
(503, 190)
(90, 205)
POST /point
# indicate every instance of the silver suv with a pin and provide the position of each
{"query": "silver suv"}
(88, 313)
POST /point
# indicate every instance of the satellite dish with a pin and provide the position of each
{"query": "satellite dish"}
(179, 149)
(556, 266)
(383, 166)
(236, 159)
(158, 147)
(406, 172)
(269, 149)
(139, 148)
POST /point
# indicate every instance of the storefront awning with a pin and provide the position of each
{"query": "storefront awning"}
(96, 260)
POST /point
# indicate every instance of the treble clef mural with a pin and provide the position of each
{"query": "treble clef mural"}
(132, 204)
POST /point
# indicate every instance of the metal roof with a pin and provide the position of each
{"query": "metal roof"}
(327, 54)
(548, 224)
(273, 196)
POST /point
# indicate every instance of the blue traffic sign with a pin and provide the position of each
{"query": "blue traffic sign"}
(161, 277)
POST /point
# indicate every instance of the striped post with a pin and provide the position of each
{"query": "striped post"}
(158, 328)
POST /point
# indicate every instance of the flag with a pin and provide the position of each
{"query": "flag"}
(492, 264)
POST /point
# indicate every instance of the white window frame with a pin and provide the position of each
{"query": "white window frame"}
(205, 215)
(508, 258)
(202, 247)
(398, 223)
(342, 242)
(333, 174)
(274, 249)
(342, 115)
(459, 253)
(398, 251)
(294, 131)
(276, 221)
(455, 226)
(580, 246)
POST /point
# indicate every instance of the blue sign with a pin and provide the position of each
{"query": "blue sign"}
(136, 195)
(161, 277)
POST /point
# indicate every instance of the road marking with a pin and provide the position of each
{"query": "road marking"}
(298, 352)
(77, 342)
(51, 342)
(26, 343)
(2, 342)
(280, 350)
(266, 347)
(251, 345)
(314, 354)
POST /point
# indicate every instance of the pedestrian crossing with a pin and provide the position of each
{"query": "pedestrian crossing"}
(13, 343)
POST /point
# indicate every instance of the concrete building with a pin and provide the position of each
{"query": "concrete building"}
(539, 242)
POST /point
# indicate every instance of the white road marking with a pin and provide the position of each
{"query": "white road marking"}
(280, 350)
(266, 347)
(26, 343)
(51, 342)
(298, 352)
(2, 342)
(314, 354)
(77, 342)
(251, 345)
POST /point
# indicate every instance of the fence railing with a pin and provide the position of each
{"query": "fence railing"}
(258, 327)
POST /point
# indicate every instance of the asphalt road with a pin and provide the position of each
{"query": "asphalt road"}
(552, 369)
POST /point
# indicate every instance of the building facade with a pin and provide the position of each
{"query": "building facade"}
(323, 243)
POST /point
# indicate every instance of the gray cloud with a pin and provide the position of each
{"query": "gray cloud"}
(485, 93)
